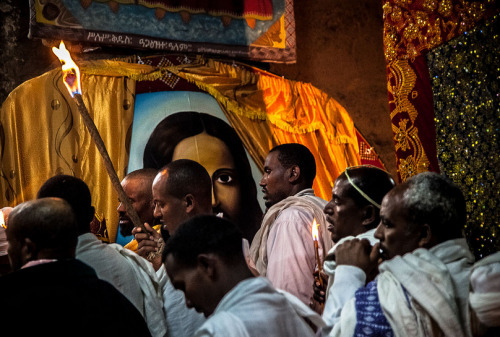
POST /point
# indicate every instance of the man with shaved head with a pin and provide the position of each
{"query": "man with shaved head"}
(137, 186)
(181, 190)
(49, 292)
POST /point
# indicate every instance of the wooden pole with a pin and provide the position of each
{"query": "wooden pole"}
(94, 133)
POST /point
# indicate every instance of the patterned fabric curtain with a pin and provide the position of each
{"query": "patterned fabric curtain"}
(442, 77)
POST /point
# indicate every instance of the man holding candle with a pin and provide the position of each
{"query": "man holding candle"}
(204, 259)
(283, 248)
(353, 211)
(423, 283)
(181, 190)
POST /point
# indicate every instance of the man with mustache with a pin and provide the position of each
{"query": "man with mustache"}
(282, 249)
(137, 186)
(423, 283)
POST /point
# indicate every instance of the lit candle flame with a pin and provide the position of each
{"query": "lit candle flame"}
(314, 230)
(2, 220)
(71, 72)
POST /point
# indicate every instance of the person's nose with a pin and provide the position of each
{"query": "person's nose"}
(215, 200)
(157, 212)
(262, 182)
(328, 210)
(121, 208)
(379, 232)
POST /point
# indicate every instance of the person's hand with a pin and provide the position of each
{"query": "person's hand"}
(358, 253)
(146, 242)
(317, 302)
(319, 293)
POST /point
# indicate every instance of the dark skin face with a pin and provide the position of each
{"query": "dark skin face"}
(275, 181)
(169, 209)
(195, 283)
(142, 202)
(396, 237)
(344, 216)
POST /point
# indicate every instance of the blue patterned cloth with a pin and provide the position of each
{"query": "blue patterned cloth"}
(370, 319)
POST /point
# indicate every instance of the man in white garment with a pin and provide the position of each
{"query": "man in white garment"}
(283, 248)
(126, 271)
(204, 259)
(181, 190)
(353, 211)
(484, 297)
(423, 283)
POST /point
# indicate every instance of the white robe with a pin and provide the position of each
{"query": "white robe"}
(255, 308)
(283, 248)
(437, 283)
(132, 275)
(340, 291)
(181, 320)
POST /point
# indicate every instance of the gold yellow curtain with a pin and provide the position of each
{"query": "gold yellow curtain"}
(43, 134)
(267, 110)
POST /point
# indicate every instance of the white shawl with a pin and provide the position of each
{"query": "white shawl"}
(306, 199)
(151, 290)
(484, 297)
(436, 281)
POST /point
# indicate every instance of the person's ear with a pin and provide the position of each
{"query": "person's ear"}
(369, 215)
(189, 203)
(29, 251)
(294, 173)
(425, 236)
(207, 264)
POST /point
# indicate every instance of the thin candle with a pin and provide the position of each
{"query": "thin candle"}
(2, 220)
(314, 232)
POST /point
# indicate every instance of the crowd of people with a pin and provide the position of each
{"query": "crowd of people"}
(389, 260)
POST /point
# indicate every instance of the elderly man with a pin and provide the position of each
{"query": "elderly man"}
(181, 190)
(423, 283)
(353, 211)
(137, 186)
(282, 249)
(49, 292)
(204, 259)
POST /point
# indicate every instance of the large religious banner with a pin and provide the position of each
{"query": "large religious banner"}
(262, 30)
